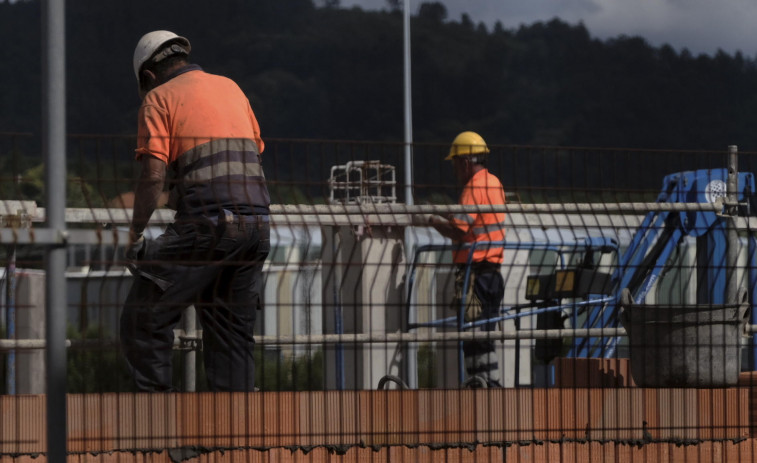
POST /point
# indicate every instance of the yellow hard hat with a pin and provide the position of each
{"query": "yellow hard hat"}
(467, 144)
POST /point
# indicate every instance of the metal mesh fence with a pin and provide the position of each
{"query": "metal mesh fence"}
(625, 325)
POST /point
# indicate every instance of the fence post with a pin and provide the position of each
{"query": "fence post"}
(54, 149)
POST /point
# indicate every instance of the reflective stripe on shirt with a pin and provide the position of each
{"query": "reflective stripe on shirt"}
(483, 189)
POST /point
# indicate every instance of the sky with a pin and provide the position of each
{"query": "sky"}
(701, 26)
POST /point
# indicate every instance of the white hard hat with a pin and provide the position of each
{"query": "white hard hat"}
(152, 42)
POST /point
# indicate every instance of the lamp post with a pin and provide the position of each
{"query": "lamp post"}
(408, 107)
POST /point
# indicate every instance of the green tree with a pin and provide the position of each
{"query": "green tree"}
(275, 372)
(432, 11)
(79, 193)
(95, 365)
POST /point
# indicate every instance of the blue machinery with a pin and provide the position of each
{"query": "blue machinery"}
(591, 297)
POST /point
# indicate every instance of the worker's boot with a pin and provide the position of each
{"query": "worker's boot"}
(481, 360)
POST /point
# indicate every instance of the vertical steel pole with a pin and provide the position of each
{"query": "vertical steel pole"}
(752, 285)
(54, 149)
(190, 356)
(410, 348)
(10, 319)
(732, 235)
(338, 276)
(408, 108)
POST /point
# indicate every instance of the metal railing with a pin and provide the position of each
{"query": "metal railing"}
(571, 210)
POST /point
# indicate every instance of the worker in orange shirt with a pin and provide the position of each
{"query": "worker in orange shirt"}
(486, 286)
(200, 128)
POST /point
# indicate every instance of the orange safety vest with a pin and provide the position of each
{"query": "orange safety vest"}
(202, 126)
(482, 189)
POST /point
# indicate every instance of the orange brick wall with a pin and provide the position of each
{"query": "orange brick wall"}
(434, 419)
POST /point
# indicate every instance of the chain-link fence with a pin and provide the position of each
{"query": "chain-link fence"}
(628, 281)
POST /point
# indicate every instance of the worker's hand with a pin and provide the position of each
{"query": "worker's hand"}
(438, 220)
(422, 219)
(430, 220)
(136, 248)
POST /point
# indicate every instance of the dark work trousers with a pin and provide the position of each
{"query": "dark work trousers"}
(218, 269)
(480, 356)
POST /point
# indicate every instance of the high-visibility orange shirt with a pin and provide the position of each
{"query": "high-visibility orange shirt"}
(482, 189)
(191, 109)
(204, 129)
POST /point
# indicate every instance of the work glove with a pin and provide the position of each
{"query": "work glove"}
(136, 249)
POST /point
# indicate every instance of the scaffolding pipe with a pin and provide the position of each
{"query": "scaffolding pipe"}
(358, 338)
(329, 213)
(54, 150)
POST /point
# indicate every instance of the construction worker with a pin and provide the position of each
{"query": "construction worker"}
(201, 128)
(486, 285)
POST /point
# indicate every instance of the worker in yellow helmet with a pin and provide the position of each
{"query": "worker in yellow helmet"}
(481, 233)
